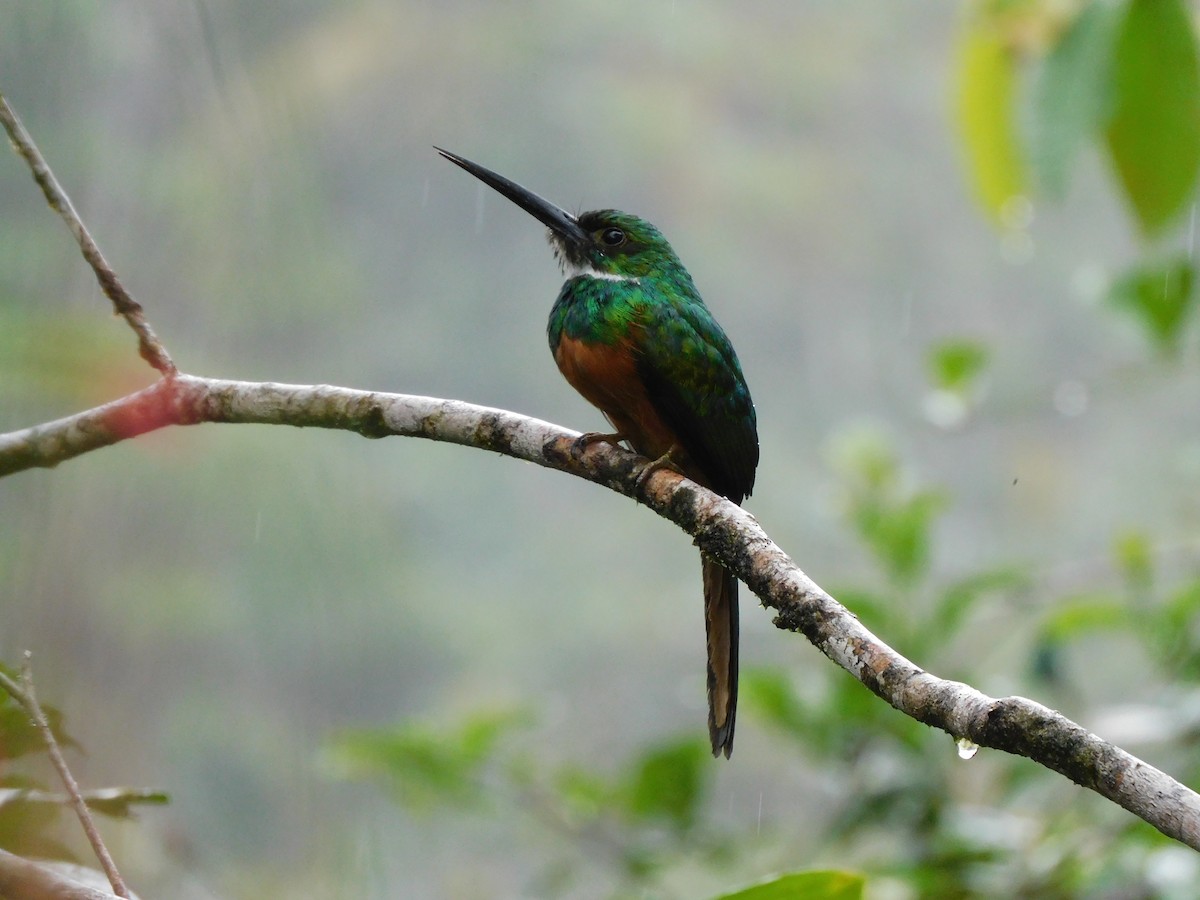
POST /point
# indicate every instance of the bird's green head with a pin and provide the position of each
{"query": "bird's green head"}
(614, 245)
(604, 243)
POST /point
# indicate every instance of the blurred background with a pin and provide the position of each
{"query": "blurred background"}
(214, 609)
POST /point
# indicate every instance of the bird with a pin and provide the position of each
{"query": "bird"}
(630, 332)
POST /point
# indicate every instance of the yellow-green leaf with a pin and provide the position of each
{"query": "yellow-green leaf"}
(986, 113)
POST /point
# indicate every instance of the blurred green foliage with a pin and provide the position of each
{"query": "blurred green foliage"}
(897, 779)
(427, 767)
(644, 816)
(957, 365)
(1072, 97)
(810, 885)
(1154, 130)
(956, 368)
(1161, 297)
(1125, 75)
(64, 360)
(18, 736)
(1164, 621)
(891, 517)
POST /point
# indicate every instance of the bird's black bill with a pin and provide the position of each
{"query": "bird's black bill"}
(553, 217)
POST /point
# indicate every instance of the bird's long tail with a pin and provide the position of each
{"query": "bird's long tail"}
(721, 624)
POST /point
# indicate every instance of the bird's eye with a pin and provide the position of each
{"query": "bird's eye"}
(612, 237)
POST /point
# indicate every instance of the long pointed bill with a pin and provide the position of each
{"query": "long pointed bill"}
(553, 217)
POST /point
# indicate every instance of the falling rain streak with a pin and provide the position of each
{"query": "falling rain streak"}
(479, 201)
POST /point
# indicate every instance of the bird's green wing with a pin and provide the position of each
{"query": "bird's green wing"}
(695, 382)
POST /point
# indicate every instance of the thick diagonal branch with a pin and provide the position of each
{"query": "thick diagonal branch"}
(722, 529)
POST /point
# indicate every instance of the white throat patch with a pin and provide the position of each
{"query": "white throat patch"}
(587, 271)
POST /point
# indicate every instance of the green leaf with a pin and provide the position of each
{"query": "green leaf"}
(986, 113)
(1173, 629)
(960, 597)
(898, 533)
(29, 828)
(770, 694)
(1154, 133)
(668, 783)
(1160, 296)
(583, 793)
(867, 462)
(1181, 608)
(1084, 615)
(892, 519)
(828, 885)
(1135, 558)
(956, 365)
(18, 736)
(117, 803)
(1072, 98)
(427, 767)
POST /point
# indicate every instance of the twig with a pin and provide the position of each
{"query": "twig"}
(722, 529)
(149, 346)
(27, 697)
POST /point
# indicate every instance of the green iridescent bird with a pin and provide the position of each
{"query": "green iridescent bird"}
(631, 334)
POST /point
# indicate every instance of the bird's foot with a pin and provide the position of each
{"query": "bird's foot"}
(663, 462)
(586, 440)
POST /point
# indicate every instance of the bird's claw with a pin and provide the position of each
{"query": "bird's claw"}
(663, 462)
(588, 438)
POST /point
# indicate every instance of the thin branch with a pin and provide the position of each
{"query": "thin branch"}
(27, 698)
(722, 529)
(149, 346)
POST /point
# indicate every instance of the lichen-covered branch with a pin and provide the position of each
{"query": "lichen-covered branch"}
(722, 529)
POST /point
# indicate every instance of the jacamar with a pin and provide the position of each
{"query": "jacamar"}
(631, 334)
